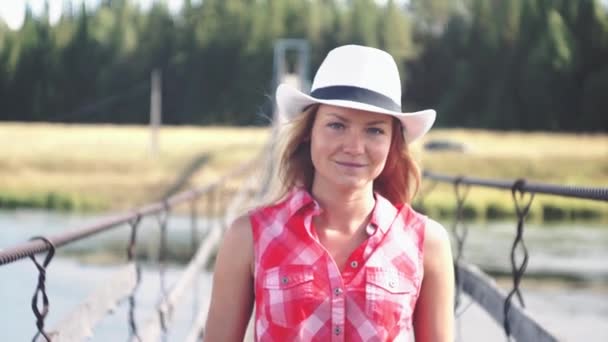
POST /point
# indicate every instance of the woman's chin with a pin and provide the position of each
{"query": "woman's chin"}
(349, 183)
(341, 181)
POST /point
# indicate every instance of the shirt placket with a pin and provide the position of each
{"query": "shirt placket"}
(339, 282)
(337, 288)
(338, 307)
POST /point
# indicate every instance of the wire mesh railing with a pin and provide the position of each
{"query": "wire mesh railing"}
(516, 323)
(211, 201)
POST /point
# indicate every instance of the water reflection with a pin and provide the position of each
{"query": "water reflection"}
(571, 251)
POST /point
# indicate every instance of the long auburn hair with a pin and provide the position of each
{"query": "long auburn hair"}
(398, 182)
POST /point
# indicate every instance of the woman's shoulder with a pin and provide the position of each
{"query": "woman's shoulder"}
(436, 238)
(435, 232)
(239, 234)
(241, 223)
(433, 237)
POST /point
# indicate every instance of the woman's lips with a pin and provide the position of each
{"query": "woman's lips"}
(350, 164)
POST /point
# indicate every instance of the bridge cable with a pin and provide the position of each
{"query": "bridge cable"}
(131, 257)
(41, 289)
(208, 208)
(162, 212)
(211, 206)
(592, 193)
(460, 231)
(522, 210)
(163, 218)
(194, 243)
(213, 212)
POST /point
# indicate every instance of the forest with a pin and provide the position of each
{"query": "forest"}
(529, 65)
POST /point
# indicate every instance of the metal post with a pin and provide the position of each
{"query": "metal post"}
(280, 71)
(155, 111)
(280, 68)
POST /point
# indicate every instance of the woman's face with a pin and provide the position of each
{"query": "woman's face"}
(349, 147)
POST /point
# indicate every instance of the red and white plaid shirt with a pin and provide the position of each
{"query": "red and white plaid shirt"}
(302, 295)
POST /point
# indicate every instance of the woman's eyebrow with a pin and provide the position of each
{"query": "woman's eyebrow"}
(377, 122)
(371, 123)
(339, 117)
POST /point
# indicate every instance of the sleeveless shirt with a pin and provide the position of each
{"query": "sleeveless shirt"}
(302, 295)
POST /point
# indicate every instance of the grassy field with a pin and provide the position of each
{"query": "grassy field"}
(564, 159)
(105, 167)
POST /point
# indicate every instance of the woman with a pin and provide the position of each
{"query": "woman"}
(340, 255)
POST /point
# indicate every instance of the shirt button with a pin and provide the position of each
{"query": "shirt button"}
(354, 264)
(337, 330)
(338, 291)
(371, 229)
(285, 280)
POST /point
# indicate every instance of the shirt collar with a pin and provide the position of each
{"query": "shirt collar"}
(383, 214)
(298, 199)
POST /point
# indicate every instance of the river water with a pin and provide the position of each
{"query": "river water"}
(565, 288)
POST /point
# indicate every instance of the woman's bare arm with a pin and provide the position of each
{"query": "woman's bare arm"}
(434, 315)
(232, 294)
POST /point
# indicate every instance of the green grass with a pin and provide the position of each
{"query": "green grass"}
(107, 167)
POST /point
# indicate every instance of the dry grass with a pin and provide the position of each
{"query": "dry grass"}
(113, 165)
(565, 159)
(543, 157)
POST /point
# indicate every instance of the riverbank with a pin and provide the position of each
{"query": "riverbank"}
(108, 167)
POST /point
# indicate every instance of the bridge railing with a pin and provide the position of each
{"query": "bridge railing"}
(517, 323)
(79, 324)
(220, 202)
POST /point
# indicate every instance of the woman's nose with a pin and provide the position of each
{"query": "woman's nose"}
(353, 143)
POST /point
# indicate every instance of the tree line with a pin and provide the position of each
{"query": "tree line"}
(517, 64)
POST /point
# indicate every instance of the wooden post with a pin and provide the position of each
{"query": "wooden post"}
(155, 111)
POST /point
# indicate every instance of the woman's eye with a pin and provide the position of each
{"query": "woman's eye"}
(375, 130)
(335, 125)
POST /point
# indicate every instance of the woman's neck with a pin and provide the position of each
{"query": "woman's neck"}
(345, 210)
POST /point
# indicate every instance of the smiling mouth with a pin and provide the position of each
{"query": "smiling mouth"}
(347, 164)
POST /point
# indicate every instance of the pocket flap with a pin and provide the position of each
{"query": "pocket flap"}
(286, 276)
(390, 280)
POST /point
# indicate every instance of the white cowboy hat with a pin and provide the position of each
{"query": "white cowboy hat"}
(358, 77)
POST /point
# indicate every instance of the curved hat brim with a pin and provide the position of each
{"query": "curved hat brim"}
(291, 102)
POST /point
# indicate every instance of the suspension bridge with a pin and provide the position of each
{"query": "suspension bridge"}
(217, 204)
(211, 207)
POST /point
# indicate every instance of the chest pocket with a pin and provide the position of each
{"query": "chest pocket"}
(289, 294)
(389, 296)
